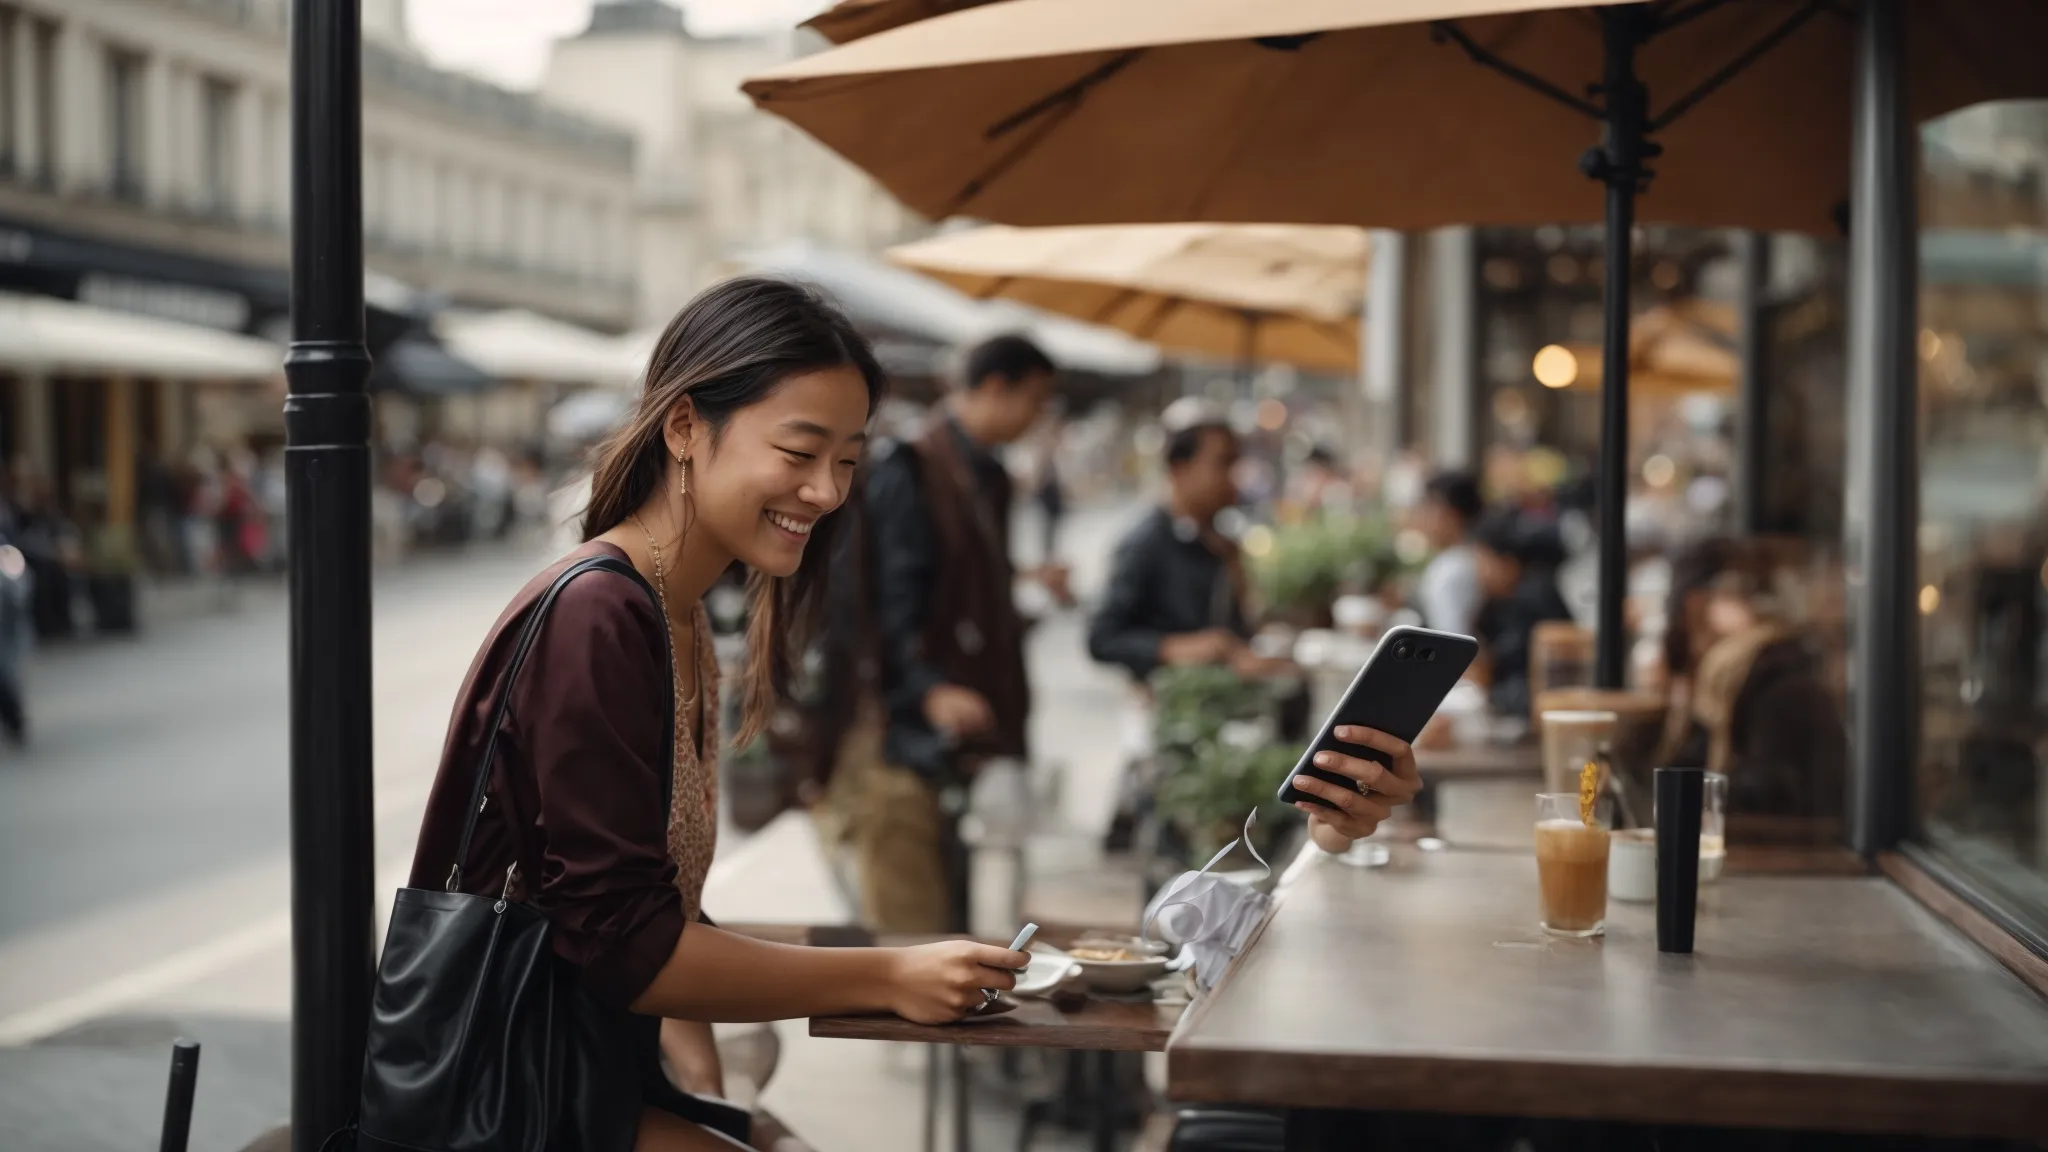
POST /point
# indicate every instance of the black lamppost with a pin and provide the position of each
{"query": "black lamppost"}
(327, 477)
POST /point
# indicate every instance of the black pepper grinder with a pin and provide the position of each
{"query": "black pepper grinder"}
(1680, 799)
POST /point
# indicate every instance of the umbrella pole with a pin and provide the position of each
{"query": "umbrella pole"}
(327, 484)
(1618, 163)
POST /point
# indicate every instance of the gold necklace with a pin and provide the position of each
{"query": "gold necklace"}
(661, 598)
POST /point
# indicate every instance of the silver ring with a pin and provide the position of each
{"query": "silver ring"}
(1364, 789)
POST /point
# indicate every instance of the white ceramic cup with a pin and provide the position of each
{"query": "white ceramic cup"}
(1632, 866)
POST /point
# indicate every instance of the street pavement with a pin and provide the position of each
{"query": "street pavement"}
(144, 879)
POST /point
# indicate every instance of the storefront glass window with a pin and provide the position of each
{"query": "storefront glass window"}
(1981, 797)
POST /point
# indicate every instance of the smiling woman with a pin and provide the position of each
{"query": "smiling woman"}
(578, 784)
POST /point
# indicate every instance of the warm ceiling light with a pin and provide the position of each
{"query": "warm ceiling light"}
(1930, 599)
(1272, 415)
(1555, 366)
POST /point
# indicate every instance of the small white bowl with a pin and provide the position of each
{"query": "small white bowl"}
(1118, 977)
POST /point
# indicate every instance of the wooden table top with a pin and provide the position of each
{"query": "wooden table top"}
(1827, 1002)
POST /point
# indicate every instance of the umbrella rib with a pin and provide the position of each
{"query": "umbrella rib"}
(1735, 67)
(1441, 30)
(1061, 102)
(1687, 14)
(1068, 94)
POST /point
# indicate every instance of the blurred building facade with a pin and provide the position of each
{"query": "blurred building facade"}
(716, 178)
(145, 152)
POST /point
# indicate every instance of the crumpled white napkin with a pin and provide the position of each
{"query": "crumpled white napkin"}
(1210, 917)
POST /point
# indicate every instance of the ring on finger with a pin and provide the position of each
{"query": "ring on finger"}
(1364, 789)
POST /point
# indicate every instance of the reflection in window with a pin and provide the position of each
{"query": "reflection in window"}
(1982, 795)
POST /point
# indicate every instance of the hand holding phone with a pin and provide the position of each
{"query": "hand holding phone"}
(1394, 695)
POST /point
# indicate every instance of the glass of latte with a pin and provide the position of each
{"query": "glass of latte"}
(1571, 862)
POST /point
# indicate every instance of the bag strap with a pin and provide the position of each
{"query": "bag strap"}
(527, 636)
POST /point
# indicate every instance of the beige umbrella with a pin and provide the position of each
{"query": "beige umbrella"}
(1250, 292)
(1338, 112)
(1398, 114)
(850, 20)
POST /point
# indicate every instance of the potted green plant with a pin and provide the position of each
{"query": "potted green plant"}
(1214, 738)
(1311, 563)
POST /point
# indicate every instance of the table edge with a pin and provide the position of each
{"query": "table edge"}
(2011, 1108)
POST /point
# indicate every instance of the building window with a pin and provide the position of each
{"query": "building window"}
(124, 124)
(216, 145)
(12, 25)
(1982, 788)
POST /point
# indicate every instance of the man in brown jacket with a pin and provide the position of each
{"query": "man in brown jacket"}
(953, 688)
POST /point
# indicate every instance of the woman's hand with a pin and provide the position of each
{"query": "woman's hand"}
(940, 983)
(1375, 792)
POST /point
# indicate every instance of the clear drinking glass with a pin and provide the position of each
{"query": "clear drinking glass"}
(1571, 864)
(1572, 736)
(1713, 826)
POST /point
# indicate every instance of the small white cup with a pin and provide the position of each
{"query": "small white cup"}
(1632, 866)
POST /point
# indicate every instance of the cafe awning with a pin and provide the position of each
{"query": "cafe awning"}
(45, 334)
(418, 364)
(514, 344)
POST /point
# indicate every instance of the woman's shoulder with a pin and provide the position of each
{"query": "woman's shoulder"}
(609, 605)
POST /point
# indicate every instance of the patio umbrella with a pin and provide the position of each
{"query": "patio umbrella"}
(1256, 293)
(850, 20)
(1338, 112)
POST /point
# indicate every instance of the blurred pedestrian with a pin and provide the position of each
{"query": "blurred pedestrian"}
(1448, 592)
(51, 549)
(1517, 563)
(955, 693)
(601, 803)
(1050, 493)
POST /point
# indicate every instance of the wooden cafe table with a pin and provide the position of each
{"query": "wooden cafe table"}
(1821, 1002)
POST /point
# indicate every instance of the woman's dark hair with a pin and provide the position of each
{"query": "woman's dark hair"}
(728, 349)
(1695, 569)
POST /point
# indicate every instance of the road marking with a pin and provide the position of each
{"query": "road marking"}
(174, 971)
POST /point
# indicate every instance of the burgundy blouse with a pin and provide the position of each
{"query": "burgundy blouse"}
(576, 793)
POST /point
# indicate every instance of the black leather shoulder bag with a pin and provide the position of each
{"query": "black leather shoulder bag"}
(480, 1038)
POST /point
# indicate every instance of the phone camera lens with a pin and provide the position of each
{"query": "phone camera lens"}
(1403, 650)
(1428, 654)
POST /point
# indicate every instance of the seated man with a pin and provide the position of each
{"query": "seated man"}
(1517, 567)
(1177, 587)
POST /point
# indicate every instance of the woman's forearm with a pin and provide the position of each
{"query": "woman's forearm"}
(721, 976)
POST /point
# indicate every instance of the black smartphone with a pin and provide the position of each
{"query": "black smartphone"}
(1401, 686)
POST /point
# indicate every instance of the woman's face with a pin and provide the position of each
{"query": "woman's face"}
(778, 468)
